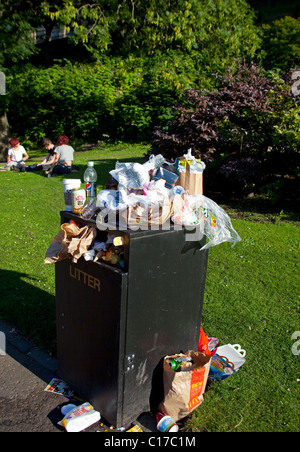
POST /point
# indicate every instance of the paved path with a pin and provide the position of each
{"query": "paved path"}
(25, 371)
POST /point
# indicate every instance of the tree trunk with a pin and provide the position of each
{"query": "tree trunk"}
(4, 135)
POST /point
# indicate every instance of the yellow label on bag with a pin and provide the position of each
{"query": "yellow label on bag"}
(183, 162)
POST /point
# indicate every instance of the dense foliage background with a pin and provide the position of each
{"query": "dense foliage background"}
(216, 75)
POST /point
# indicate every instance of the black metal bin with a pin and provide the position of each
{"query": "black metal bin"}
(114, 326)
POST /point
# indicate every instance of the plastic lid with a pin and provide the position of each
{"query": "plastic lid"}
(90, 163)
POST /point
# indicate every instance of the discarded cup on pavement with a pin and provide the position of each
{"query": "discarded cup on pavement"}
(165, 423)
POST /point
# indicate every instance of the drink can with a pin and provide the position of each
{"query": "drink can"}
(175, 365)
(78, 199)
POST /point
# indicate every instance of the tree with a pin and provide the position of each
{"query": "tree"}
(19, 20)
(215, 30)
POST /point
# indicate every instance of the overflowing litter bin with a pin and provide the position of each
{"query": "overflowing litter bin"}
(114, 325)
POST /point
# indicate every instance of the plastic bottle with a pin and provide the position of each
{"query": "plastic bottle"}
(90, 179)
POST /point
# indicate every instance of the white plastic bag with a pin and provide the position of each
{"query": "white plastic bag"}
(196, 165)
(131, 175)
(80, 418)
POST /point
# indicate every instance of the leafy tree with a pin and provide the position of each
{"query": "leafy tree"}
(216, 30)
(19, 20)
(251, 117)
(72, 99)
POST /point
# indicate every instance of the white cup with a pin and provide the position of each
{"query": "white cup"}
(69, 184)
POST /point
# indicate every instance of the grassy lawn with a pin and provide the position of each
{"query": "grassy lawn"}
(251, 296)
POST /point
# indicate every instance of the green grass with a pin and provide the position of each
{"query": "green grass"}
(251, 296)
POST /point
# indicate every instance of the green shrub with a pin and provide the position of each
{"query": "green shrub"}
(75, 100)
(281, 44)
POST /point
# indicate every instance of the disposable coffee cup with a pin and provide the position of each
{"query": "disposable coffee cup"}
(166, 424)
(69, 184)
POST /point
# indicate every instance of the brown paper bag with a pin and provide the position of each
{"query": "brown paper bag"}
(191, 182)
(183, 390)
(71, 243)
(140, 216)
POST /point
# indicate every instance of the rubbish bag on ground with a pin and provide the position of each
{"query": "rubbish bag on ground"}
(207, 345)
(227, 361)
(234, 353)
(183, 390)
(80, 418)
(220, 368)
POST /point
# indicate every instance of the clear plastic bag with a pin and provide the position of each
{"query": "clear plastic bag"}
(214, 223)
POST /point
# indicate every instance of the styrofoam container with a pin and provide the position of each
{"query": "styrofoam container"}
(234, 353)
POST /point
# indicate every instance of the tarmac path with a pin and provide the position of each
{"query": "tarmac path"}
(25, 406)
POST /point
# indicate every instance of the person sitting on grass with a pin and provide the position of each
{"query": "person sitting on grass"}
(48, 160)
(64, 156)
(16, 156)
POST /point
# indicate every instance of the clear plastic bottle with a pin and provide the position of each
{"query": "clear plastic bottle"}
(90, 179)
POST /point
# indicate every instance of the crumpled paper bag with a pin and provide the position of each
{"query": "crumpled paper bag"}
(144, 216)
(72, 242)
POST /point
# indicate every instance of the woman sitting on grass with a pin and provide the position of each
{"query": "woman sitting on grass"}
(16, 156)
(64, 156)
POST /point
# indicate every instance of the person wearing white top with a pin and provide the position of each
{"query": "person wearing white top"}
(17, 155)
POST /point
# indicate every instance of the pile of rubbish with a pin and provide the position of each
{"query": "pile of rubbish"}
(150, 194)
(185, 378)
(156, 194)
(145, 196)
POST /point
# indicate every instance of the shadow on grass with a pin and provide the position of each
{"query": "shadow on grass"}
(30, 309)
(267, 203)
